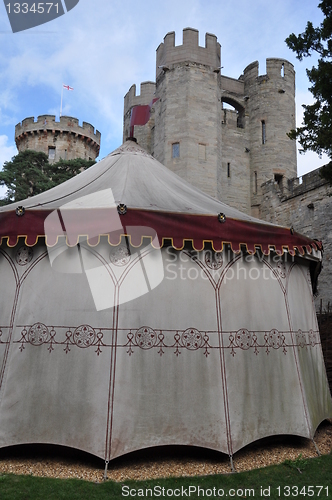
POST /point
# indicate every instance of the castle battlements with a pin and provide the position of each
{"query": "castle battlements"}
(276, 68)
(66, 124)
(297, 186)
(147, 93)
(190, 51)
(65, 138)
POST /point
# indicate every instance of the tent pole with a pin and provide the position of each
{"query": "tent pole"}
(232, 464)
(317, 449)
(106, 467)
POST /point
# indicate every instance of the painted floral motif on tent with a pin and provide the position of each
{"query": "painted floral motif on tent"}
(146, 338)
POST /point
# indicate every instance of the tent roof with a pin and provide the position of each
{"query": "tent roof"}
(155, 199)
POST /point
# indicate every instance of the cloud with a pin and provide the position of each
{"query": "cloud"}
(6, 151)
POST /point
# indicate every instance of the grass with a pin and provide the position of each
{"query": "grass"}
(292, 479)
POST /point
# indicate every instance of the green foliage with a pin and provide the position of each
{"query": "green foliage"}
(316, 133)
(24, 175)
(65, 169)
(299, 463)
(326, 172)
(29, 173)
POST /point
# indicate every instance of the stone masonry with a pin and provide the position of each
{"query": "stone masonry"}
(241, 156)
(306, 204)
(220, 150)
(64, 139)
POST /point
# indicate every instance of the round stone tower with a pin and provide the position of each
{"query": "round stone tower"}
(64, 139)
(270, 104)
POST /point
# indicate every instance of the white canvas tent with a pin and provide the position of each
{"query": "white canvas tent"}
(136, 311)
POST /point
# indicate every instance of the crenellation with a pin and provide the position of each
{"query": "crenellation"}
(251, 71)
(27, 122)
(276, 67)
(147, 92)
(190, 37)
(64, 138)
(49, 122)
(169, 54)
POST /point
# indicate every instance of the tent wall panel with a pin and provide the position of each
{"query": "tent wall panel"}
(308, 347)
(156, 315)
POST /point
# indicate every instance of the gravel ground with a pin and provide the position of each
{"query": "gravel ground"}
(162, 462)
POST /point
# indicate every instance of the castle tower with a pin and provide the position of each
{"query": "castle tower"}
(143, 134)
(188, 115)
(64, 139)
(187, 88)
(227, 152)
(271, 110)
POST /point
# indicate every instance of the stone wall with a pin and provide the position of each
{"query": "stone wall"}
(305, 204)
(234, 175)
(64, 139)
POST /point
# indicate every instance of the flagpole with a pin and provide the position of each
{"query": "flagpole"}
(61, 101)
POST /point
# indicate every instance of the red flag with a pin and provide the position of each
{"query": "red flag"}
(140, 115)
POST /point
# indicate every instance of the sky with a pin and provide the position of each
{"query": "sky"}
(102, 47)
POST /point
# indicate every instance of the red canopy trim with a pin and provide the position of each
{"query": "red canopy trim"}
(160, 227)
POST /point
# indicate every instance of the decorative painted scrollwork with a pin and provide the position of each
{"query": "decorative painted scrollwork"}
(275, 339)
(120, 255)
(24, 255)
(300, 338)
(313, 338)
(192, 339)
(145, 337)
(38, 334)
(281, 268)
(243, 339)
(84, 336)
(213, 260)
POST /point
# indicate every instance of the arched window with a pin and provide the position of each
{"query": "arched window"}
(231, 104)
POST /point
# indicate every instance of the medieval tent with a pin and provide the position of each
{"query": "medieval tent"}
(136, 311)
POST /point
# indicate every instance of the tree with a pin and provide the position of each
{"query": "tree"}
(316, 133)
(65, 169)
(29, 173)
(24, 176)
